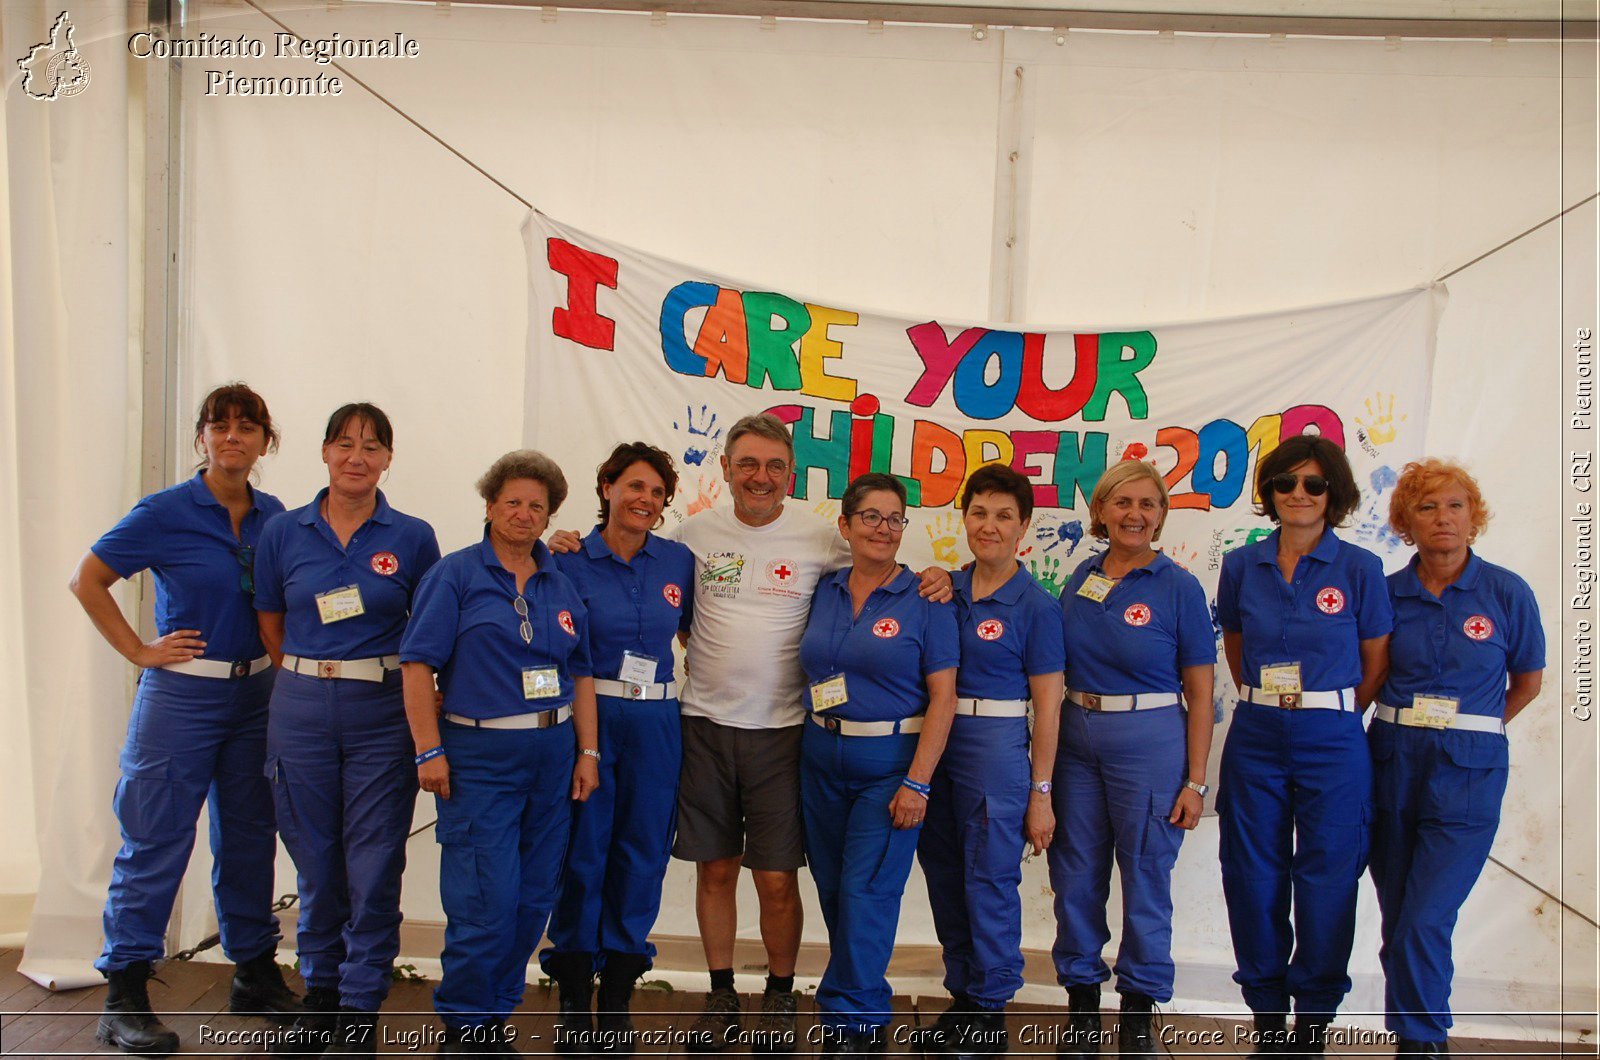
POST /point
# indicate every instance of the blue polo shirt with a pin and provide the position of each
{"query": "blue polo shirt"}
(300, 557)
(203, 574)
(637, 606)
(465, 625)
(885, 653)
(1151, 625)
(1336, 600)
(1463, 645)
(1010, 635)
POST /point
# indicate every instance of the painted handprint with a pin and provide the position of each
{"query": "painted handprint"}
(828, 509)
(1050, 573)
(1379, 422)
(1239, 536)
(1183, 556)
(1051, 534)
(943, 533)
(698, 425)
(1373, 528)
(708, 488)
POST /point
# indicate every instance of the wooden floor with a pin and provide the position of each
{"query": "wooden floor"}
(194, 1001)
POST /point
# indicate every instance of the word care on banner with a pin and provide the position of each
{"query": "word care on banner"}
(623, 345)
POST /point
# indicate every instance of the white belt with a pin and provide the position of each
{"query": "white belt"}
(374, 669)
(1469, 722)
(845, 727)
(539, 719)
(220, 668)
(634, 690)
(1137, 701)
(1342, 699)
(993, 708)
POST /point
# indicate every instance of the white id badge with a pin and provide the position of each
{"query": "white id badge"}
(1433, 712)
(825, 695)
(340, 604)
(637, 669)
(1281, 679)
(1096, 587)
(540, 682)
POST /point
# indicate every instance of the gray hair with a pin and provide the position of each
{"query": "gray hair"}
(762, 425)
(524, 463)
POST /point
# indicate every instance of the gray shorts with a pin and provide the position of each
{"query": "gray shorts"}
(740, 794)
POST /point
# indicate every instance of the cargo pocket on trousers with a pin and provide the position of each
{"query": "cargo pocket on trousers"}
(894, 867)
(461, 869)
(283, 803)
(1161, 837)
(999, 824)
(145, 803)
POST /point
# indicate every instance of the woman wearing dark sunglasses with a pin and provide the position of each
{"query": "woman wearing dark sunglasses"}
(514, 739)
(199, 722)
(1305, 627)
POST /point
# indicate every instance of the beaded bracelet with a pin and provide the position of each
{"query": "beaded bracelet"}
(921, 789)
(426, 755)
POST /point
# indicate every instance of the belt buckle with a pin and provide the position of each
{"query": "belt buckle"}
(1289, 700)
(830, 723)
(632, 690)
(1091, 701)
(328, 668)
(241, 669)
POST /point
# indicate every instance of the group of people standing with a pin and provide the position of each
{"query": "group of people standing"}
(316, 667)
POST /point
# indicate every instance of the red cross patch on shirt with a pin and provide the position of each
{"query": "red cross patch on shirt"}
(385, 563)
(1478, 627)
(673, 594)
(1330, 601)
(886, 628)
(564, 620)
(1137, 615)
(781, 572)
(991, 629)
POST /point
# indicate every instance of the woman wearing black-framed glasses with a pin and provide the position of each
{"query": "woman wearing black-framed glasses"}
(1306, 621)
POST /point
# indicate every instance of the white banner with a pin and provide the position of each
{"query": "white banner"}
(625, 345)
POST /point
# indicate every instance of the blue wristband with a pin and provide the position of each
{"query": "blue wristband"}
(427, 755)
(921, 789)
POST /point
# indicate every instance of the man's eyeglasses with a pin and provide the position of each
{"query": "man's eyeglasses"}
(871, 518)
(749, 466)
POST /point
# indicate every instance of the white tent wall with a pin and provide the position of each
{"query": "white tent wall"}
(333, 252)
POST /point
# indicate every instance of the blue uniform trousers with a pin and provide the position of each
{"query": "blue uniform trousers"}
(860, 863)
(1295, 799)
(1438, 807)
(192, 740)
(502, 837)
(971, 854)
(622, 837)
(339, 754)
(1117, 776)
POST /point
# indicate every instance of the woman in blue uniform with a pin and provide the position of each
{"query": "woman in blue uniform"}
(639, 591)
(991, 792)
(513, 740)
(199, 725)
(1467, 655)
(880, 665)
(1131, 772)
(334, 583)
(1305, 626)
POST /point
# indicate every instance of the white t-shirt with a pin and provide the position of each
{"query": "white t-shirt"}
(752, 595)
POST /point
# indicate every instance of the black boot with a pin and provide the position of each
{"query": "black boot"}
(1271, 1034)
(614, 1026)
(356, 1034)
(127, 1022)
(931, 1037)
(1135, 1033)
(259, 990)
(312, 1032)
(573, 974)
(981, 1035)
(1083, 1023)
(464, 1041)
(505, 1039)
(1310, 1035)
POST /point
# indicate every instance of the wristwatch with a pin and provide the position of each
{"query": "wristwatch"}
(1041, 786)
(1199, 789)
(590, 752)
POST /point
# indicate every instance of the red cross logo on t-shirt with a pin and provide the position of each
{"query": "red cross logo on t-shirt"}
(1478, 627)
(1137, 615)
(564, 619)
(991, 629)
(1330, 601)
(385, 563)
(673, 594)
(887, 628)
(781, 572)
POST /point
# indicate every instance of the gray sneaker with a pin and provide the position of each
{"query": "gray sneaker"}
(718, 1025)
(775, 1030)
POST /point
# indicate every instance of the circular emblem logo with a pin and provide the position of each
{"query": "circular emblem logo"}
(781, 572)
(385, 563)
(673, 594)
(564, 619)
(1330, 601)
(1137, 615)
(1478, 627)
(991, 629)
(887, 628)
